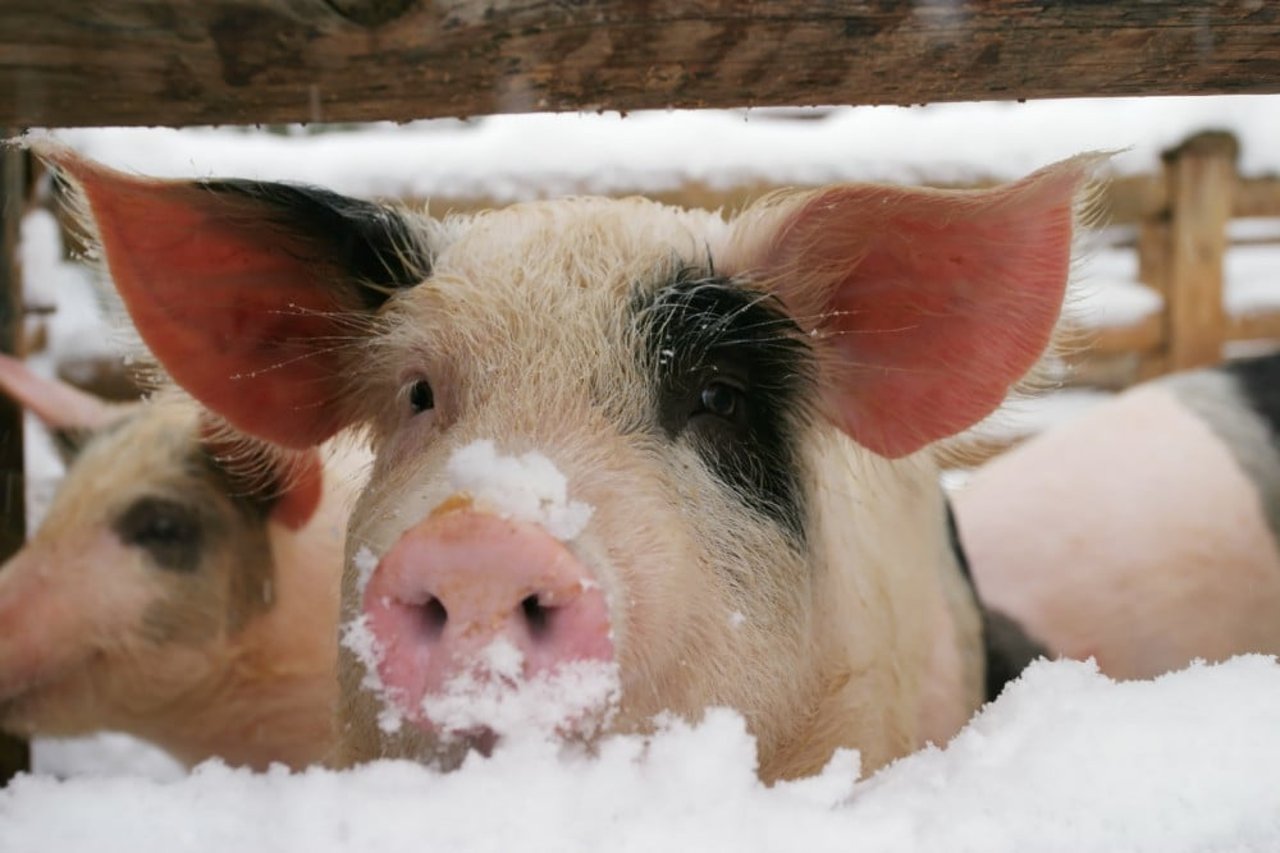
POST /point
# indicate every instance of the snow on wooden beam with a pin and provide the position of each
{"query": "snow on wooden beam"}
(181, 62)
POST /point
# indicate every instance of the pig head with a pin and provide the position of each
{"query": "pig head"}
(170, 593)
(735, 416)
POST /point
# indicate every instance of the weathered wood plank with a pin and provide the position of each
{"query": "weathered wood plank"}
(176, 62)
(1257, 197)
(13, 752)
(1262, 325)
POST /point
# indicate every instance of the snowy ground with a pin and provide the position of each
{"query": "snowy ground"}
(1065, 760)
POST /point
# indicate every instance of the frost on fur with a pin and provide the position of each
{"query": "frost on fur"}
(357, 637)
(494, 695)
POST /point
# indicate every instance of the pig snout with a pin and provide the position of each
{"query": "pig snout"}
(461, 583)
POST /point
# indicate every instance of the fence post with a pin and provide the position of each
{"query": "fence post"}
(1201, 176)
(1153, 271)
(14, 754)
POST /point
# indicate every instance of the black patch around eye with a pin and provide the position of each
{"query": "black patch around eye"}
(372, 242)
(732, 372)
(170, 532)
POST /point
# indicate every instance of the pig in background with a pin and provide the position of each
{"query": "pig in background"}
(1143, 534)
(165, 596)
(746, 406)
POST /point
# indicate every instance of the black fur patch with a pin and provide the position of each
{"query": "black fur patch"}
(171, 531)
(1009, 650)
(957, 547)
(373, 242)
(710, 340)
(1259, 380)
(1007, 647)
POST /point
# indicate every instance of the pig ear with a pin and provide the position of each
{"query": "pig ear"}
(246, 291)
(59, 405)
(288, 486)
(929, 304)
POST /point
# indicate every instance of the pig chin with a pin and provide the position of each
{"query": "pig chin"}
(52, 704)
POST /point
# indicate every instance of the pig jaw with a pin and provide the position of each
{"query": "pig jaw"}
(895, 629)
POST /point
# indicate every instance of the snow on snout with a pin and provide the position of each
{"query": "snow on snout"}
(494, 694)
(357, 637)
(528, 488)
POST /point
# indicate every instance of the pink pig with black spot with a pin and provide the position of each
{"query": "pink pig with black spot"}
(742, 410)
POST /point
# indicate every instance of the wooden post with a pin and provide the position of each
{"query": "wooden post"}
(1202, 174)
(1153, 271)
(14, 755)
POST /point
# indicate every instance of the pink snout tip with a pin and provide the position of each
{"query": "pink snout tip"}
(467, 599)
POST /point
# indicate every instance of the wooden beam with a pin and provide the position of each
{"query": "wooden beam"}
(1257, 197)
(14, 756)
(182, 62)
(1146, 335)
(1202, 178)
(1262, 325)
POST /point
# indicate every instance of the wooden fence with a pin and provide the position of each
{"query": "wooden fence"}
(1179, 225)
(182, 62)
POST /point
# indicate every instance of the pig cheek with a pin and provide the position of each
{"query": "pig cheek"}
(653, 600)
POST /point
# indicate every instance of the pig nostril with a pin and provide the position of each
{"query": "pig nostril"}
(432, 616)
(536, 616)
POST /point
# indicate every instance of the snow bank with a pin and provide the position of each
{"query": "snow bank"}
(1252, 276)
(514, 157)
(1065, 760)
(104, 754)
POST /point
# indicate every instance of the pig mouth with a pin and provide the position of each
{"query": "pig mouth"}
(19, 712)
(480, 739)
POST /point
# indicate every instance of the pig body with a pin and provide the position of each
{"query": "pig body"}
(165, 596)
(745, 407)
(1143, 534)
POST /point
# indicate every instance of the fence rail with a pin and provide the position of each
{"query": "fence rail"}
(183, 62)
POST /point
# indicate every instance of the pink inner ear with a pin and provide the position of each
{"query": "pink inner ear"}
(55, 402)
(237, 310)
(939, 301)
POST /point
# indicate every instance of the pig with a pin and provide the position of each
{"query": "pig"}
(733, 420)
(170, 595)
(1144, 533)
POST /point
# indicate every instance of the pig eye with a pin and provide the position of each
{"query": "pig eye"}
(168, 531)
(722, 399)
(421, 398)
